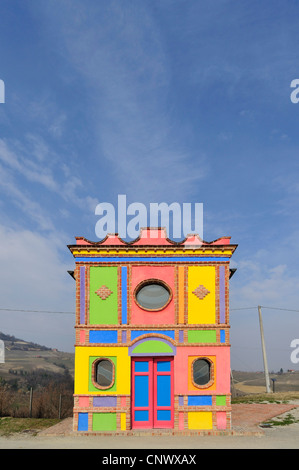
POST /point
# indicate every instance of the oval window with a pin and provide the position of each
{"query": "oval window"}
(201, 372)
(152, 295)
(103, 373)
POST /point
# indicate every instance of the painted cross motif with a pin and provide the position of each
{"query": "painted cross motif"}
(104, 292)
(201, 292)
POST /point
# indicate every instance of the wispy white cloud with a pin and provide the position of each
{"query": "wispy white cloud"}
(119, 53)
(34, 276)
(24, 201)
(33, 172)
(18, 169)
(266, 286)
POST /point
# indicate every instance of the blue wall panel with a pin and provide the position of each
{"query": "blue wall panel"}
(108, 336)
(135, 334)
(222, 336)
(124, 315)
(82, 421)
(205, 400)
(158, 259)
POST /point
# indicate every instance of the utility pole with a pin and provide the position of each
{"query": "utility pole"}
(268, 390)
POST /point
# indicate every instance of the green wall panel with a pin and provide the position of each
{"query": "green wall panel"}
(221, 400)
(104, 422)
(103, 311)
(152, 346)
(202, 336)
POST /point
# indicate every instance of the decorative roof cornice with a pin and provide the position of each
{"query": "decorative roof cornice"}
(152, 240)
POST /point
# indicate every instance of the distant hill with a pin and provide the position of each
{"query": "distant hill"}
(24, 359)
(13, 343)
(254, 382)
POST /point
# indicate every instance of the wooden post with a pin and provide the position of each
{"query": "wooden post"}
(30, 403)
(233, 391)
(60, 402)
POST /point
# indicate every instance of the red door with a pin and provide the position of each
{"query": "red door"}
(152, 392)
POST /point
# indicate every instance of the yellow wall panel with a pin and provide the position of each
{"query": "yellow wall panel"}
(200, 420)
(202, 311)
(123, 369)
(123, 425)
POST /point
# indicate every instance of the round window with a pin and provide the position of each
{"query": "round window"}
(201, 372)
(152, 295)
(103, 373)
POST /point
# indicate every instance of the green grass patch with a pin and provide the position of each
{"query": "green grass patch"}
(258, 399)
(282, 421)
(276, 397)
(16, 425)
(266, 398)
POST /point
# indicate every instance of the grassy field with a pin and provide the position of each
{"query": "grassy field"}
(280, 397)
(10, 426)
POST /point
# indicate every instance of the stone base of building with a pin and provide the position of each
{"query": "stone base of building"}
(164, 432)
(105, 422)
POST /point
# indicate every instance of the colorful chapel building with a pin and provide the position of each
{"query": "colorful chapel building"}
(152, 346)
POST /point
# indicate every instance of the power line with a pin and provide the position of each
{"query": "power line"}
(73, 313)
(34, 311)
(284, 309)
(262, 306)
(243, 308)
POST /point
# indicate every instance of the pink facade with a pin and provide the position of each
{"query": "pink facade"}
(143, 317)
(222, 372)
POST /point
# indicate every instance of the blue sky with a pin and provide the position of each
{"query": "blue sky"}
(173, 101)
